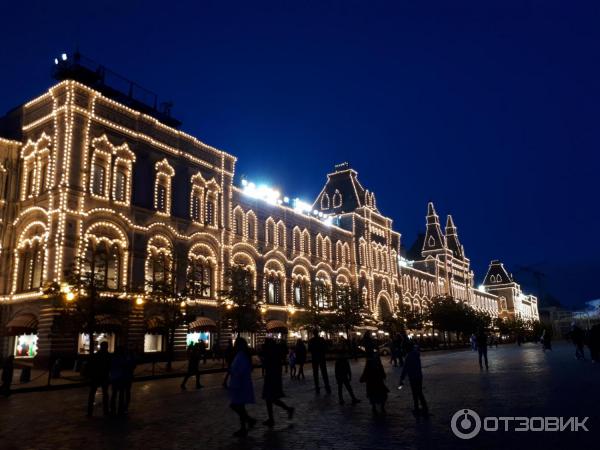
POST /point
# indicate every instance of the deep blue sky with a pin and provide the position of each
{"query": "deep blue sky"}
(490, 109)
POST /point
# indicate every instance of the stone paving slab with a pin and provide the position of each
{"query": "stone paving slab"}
(521, 381)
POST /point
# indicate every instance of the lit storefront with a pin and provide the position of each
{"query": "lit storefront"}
(26, 346)
(201, 329)
(83, 343)
(23, 328)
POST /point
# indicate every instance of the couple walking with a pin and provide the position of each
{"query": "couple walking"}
(241, 388)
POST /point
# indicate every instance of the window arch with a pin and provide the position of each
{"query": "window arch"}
(300, 288)
(297, 240)
(337, 199)
(273, 288)
(35, 165)
(251, 224)
(196, 197)
(202, 270)
(103, 263)
(281, 235)
(325, 201)
(270, 231)
(238, 221)
(306, 242)
(159, 261)
(211, 218)
(322, 291)
(30, 258)
(162, 187)
(111, 166)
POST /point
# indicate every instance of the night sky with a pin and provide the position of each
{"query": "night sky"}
(489, 109)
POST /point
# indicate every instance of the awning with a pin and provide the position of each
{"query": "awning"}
(276, 325)
(203, 324)
(22, 324)
(155, 324)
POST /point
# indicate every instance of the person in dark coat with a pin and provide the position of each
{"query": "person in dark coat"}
(273, 385)
(578, 336)
(369, 344)
(241, 389)
(412, 369)
(318, 349)
(374, 377)
(99, 374)
(8, 370)
(482, 347)
(192, 370)
(229, 355)
(300, 357)
(343, 376)
(546, 339)
(131, 363)
(119, 372)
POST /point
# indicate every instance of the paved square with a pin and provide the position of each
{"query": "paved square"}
(522, 381)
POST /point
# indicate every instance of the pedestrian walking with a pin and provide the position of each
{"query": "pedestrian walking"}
(412, 369)
(473, 340)
(202, 351)
(8, 370)
(131, 363)
(318, 349)
(300, 357)
(594, 343)
(292, 362)
(482, 347)
(98, 370)
(241, 389)
(343, 376)
(273, 385)
(119, 372)
(546, 340)
(396, 350)
(578, 336)
(192, 369)
(229, 355)
(374, 378)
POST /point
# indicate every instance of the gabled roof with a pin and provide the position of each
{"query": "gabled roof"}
(434, 241)
(497, 274)
(343, 192)
(452, 239)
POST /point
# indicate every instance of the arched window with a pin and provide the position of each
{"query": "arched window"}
(297, 240)
(210, 213)
(201, 278)
(251, 220)
(270, 232)
(44, 174)
(161, 198)
(121, 185)
(337, 199)
(273, 289)
(162, 187)
(196, 208)
(103, 265)
(238, 222)
(31, 266)
(325, 201)
(281, 235)
(300, 289)
(99, 178)
(321, 293)
(306, 242)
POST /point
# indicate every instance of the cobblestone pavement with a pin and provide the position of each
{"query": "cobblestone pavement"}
(522, 381)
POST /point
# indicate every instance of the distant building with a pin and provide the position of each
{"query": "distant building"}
(84, 175)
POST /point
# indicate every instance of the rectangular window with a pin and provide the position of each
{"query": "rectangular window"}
(153, 343)
(99, 179)
(196, 208)
(210, 212)
(121, 185)
(83, 346)
(161, 198)
(26, 346)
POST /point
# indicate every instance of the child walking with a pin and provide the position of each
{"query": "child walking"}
(343, 375)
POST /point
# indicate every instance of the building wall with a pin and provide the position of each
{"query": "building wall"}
(89, 173)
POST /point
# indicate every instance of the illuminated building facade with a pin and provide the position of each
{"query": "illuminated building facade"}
(84, 176)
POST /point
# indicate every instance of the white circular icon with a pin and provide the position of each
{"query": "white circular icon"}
(465, 424)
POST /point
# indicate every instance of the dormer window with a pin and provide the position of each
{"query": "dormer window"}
(431, 241)
(337, 199)
(325, 201)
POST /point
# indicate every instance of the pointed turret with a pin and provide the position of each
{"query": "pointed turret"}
(497, 274)
(452, 239)
(434, 239)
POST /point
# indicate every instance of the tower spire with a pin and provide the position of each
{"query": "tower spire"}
(452, 238)
(435, 241)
